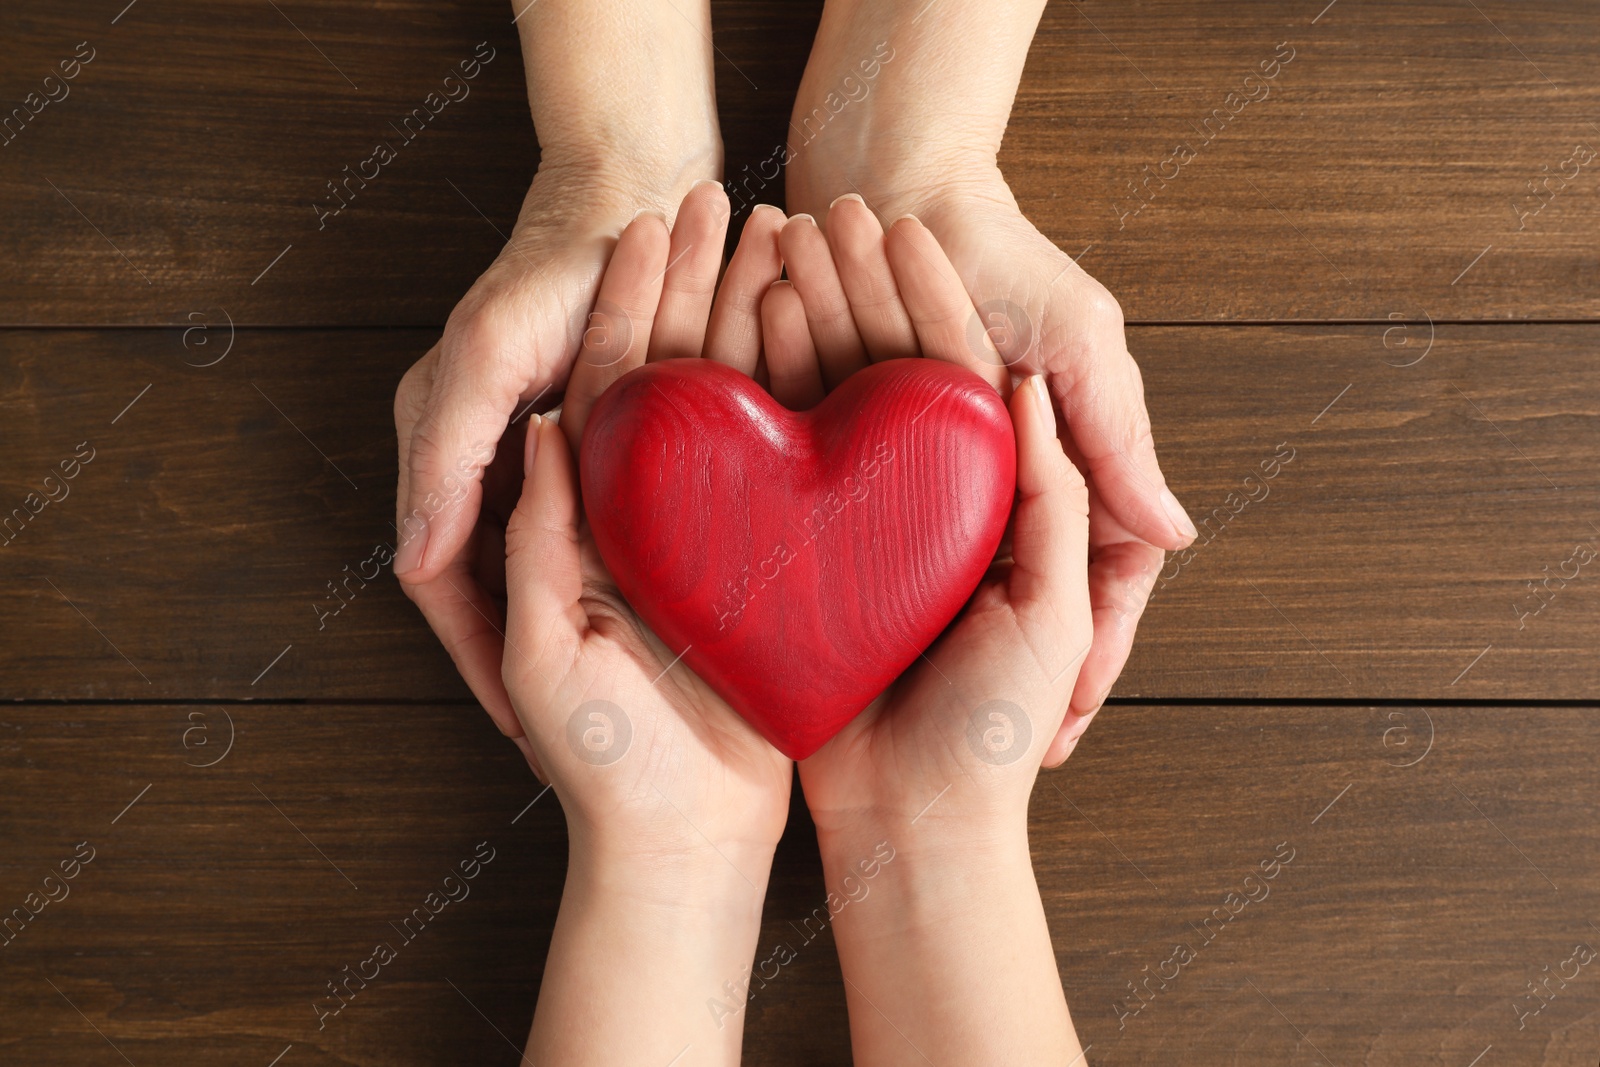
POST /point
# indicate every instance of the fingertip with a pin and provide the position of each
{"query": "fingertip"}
(647, 231)
(509, 725)
(765, 217)
(1043, 405)
(1033, 412)
(413, 544)
(707, 187)
(709, 196)
(1183, 527)
(1061, 746)
(526, 748)
(434, 531)
(530, 444)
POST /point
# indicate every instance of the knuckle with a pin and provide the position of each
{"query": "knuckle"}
(1099, 308)
(475, 341)
(411, 395)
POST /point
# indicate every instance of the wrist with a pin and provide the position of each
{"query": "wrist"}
(605, 188)
(622, 97)
(905, 106)
(623, 179)
(926, 873)
(680, 872)
(949, 936)
(683, 926)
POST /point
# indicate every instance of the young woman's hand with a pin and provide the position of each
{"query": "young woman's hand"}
(674, 804)
(950, 947)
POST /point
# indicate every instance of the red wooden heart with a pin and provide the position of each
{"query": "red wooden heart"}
(800, 561)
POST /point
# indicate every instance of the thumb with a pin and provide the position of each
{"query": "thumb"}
(474, 391)
(544, 577)
(1103, 401)
(1049, 584)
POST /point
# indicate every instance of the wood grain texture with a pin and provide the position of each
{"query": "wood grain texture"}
(1392, 549)
(798, 562)
(1438, 861)
(1378, 171)
(1366, 178)
(225, 513)
(178, 184)
(1443, 856)
(1400, 543)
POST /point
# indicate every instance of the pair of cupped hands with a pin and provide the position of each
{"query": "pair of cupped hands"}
(801, 306)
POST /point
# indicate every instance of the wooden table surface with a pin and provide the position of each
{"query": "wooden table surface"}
(1385, 668)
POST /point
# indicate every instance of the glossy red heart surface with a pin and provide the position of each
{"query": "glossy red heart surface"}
(798, 561)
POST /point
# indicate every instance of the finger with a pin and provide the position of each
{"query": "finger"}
(410, 402)
(544, 580)
(1102, 397)
(468, 623)
(1048, 587)
(1120, 577)
(734, 335)
(946, 323)
(810, 267)
(447, 424)
(533, 760)
(693, 260)
(856, 238)
(795, 377)
(618, 334)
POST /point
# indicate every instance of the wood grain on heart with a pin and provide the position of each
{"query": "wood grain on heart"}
(799, 562)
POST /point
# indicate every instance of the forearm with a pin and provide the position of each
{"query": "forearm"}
(937, 104)
(641, 945)
(948, 958)
(622, 91)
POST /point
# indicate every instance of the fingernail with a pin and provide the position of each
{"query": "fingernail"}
(857, 197)
(913, 218)
(1179, 517)
(647, 211)
(535, 427)
(706, 181)
(1041, 396)
(803, 215)
(769, 207)
(409, 557)
(1081, 727)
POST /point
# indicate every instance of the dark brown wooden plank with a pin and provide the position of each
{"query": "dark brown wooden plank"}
(1400, 542)
(1440, 860)
(1378, 563)
(199, 542)
(1383, 160)
(177, 183)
